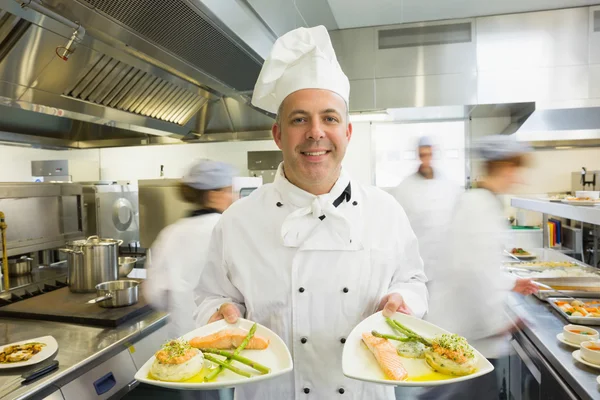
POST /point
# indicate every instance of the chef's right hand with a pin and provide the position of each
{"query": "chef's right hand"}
(228, 311)
(525, 287)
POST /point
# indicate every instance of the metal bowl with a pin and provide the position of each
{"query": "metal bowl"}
(126, 264)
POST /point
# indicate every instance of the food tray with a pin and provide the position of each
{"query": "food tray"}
(546, 294)
(575, 320)
(539, 265)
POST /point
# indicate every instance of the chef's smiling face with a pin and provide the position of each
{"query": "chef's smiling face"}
(313, 132)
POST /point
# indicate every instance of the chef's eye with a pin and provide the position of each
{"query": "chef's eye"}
(298, 120)
(331, 120)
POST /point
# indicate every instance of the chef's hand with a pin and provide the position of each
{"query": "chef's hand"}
(393, 303)
(228, 311)
(525, 287)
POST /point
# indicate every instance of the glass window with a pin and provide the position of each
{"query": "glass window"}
(396, 155)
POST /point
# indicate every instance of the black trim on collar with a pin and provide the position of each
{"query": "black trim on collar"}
(203, 211)
(346, 195)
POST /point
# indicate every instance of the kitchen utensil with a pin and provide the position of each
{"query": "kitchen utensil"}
(548, 287)
(358, 362)
(116, 294)
(511, 255)
(276, 356)
(14, 383)
(48, 257)
(90, 262)
(20, 266)
(126, 264)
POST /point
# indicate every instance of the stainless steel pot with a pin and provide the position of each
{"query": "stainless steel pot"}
(90, 262)
(126, 265)
(116, 294)
(19, 266)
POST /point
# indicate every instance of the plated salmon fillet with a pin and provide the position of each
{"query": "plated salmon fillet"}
(386, 356)
(229, 339)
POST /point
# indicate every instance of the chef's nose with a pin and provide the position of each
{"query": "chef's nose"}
(315, 131)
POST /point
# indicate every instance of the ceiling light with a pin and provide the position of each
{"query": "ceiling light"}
(563, 147)
(365, 117)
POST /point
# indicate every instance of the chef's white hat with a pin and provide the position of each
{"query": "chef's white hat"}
(500, 147)
(425, 141)
(301, 59)
(209, 175)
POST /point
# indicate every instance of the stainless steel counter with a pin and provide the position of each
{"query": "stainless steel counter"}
(541, 325)
(80, 347)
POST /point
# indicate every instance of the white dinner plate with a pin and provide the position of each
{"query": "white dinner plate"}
(51, 346)
(577, 357)
(276, 356)
(582, 202)
(359, 363)
(529, 256)
(561, 338)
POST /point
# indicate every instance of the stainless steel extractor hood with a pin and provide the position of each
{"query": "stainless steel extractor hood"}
(142, 74)
(574, 125)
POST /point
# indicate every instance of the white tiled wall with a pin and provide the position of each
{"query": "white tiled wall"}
(15, 162)
(550, 172)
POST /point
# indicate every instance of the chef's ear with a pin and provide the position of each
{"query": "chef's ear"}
(276, 131)
(349, 131)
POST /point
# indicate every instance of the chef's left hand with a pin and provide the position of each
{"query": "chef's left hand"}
(393, 303)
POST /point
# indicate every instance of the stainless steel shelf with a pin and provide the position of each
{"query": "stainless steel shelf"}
(590, 215)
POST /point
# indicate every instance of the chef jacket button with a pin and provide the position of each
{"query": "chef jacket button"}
(355, 203)
(306, 390)
(341, 390)
(345, 290)
(343, 340)
(278, 204)
(303, 340)
(301, 290)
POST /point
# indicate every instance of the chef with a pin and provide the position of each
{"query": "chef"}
(428, 199)
(314, 253)
(468, 295)
(178, 254)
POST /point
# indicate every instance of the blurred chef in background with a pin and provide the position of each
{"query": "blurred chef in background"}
(178, 254)
(428, 199)
(467, 297)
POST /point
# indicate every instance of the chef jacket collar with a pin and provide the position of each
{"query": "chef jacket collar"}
(292, 194)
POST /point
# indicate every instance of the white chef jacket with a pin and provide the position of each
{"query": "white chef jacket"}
(313, 295)
(176, 261)
(468, 295)
(428, 203)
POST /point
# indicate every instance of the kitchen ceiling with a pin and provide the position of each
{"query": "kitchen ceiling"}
(360, 13)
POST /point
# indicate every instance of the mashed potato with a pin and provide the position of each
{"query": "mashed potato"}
(450, 354)
(177, 361)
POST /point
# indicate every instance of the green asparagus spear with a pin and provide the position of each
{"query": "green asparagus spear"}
(223, 364)
(408, 332)
(392, 337)
(253, 364)
(237, 351)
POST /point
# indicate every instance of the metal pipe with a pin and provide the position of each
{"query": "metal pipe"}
(78, 30)
(37, 6)
(3, 228)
